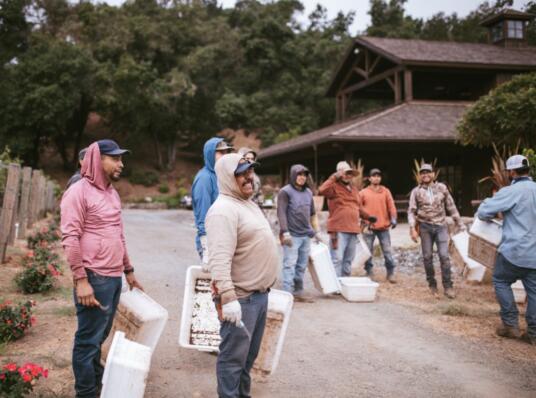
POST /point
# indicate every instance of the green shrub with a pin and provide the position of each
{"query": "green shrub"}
(41, 268)
(18, 381)
(15, 320)
(145, 178)
(45, 236)
(163, 188)
(531, 156)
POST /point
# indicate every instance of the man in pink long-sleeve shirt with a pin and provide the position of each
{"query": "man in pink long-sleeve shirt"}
(94, 243)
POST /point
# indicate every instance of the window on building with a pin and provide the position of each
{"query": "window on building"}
(497, 32)
(515, 29)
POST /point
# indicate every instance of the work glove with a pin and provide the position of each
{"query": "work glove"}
(393, 223)
(372, 219)
(204, 255)
(462, 228)
(232, 312)
(286, 239)
(317, 238)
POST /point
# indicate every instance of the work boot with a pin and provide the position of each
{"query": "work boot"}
(450, 293)
(302, 297)
(391, 278)
(509, 332)
(527, 338)
(434, 292)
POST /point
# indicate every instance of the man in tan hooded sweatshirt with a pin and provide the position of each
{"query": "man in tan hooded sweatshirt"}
(243, 260)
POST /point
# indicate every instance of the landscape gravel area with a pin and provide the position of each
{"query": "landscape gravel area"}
(405, 344)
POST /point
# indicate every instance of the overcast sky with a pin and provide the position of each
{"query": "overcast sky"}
(416, 8)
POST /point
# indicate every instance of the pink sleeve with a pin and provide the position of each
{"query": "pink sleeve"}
(73, 213)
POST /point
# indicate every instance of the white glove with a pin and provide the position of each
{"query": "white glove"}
(287, 239)
(232, 312)
(317, 238)
(463, 228)
(204, 255)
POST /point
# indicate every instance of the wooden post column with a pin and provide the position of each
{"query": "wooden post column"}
(11, 194)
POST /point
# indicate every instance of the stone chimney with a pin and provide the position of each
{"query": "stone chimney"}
(508, 28)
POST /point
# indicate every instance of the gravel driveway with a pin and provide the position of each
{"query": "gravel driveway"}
(333, 348)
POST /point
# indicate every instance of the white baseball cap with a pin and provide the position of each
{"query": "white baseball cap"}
(345, 167)
(516, 162)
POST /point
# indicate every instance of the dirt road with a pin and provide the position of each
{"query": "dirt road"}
(333, 348)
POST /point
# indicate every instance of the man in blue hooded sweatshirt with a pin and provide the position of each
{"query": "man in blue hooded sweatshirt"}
(205, 190)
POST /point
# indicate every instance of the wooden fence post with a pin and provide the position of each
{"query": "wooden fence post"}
(10, 200)
(24, 201)
(15, 215)
(51, 200)
(42, 188)
(34, 198)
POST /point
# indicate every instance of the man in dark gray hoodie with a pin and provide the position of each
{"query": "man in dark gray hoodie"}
(298, 224)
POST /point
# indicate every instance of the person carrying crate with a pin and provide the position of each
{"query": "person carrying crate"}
(243, 260)
(297, 225)
(516, 257)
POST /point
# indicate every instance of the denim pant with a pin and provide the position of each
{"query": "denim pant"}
(385, 243)
(439, 235)
(504, 275)
(94, 325)
(239, 347)
(343, 256)
(295, 260)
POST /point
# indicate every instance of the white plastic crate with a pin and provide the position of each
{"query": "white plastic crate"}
(279, 311)
(140, 317)
(322, 269)
(520, 295)
(127, 368)
(490, 231)
(362, 254)
(473, 270)
(358, 289)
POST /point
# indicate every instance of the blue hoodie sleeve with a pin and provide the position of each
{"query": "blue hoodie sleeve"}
(502, 201)
(201, 201)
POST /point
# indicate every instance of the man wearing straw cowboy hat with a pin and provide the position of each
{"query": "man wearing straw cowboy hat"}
(345, 212)
(516, 258)
(428, 206)
(243, 260)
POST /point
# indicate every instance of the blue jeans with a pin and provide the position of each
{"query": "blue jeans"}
(94, 325)
(240, 346)
(385, 243)
(295, 260)
(504, 275)
(344, 254)
(439, 235)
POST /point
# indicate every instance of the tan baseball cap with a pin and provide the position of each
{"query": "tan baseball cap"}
(344, 167)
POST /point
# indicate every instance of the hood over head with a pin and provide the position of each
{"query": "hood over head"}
(225, 169)
(209, 152)
(92, 167)
(295, 170)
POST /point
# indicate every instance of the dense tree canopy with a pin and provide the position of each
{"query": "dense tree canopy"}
(505, 116)
(168, 74)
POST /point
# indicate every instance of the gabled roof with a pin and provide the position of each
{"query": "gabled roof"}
(409, 122)
(507, 14)
(444, 54)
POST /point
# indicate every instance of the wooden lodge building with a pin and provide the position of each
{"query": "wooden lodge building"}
(429, 85)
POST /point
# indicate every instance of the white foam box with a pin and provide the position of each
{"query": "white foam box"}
(127, 368)
(279, 311)
(362, 254)
(358, 289)
(472, 270)
(490, 231)
(520, 295)
(322, 270)
(140, 317)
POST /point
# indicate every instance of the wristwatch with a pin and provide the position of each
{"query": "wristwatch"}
(129, 271)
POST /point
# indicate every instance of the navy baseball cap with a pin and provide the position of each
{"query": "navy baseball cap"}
(110, 148)
(244, 166)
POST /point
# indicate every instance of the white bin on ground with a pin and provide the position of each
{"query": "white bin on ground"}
(127, 368)
(358, 289)
(322, 269)
(473, 270)
(520, 295)
(279, 311)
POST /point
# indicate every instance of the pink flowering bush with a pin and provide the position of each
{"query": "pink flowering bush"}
(41, 268)
(45, 236)
(15, 320)
(18, 381)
